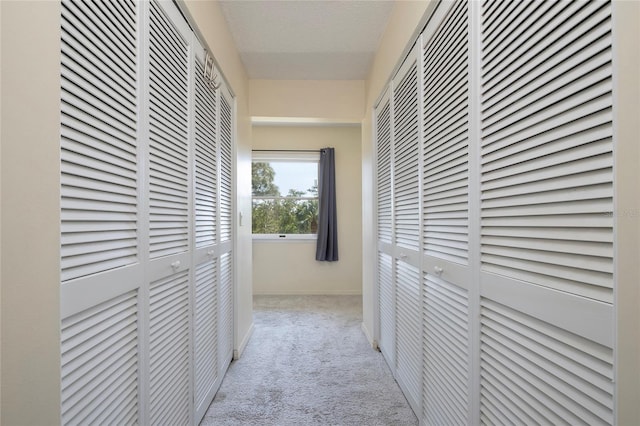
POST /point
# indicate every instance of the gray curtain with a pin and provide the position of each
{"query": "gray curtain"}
(327, 248)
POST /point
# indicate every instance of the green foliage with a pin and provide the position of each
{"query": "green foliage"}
(262, 175)
(287, 215)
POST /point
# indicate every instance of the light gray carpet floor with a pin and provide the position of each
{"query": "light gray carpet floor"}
(309, 363)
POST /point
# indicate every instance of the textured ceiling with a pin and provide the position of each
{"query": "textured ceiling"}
(307, 39)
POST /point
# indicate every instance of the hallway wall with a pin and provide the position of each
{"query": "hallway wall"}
(626, 26)
(30, 281)
(311, 114)
(289, 267)
(339, 99)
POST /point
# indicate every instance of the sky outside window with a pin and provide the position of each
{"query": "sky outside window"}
(300, 176)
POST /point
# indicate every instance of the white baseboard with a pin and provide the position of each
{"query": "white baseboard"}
(369, 336)
(237, 353)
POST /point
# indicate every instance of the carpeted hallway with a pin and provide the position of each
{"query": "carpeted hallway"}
(308, 363)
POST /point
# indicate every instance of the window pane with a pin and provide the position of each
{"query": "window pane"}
(300, 179)
(284, 216)
(285, 195)
(285, 178)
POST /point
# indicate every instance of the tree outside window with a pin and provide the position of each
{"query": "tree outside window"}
(292, 209)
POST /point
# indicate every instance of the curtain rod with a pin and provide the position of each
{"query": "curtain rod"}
(286, 150)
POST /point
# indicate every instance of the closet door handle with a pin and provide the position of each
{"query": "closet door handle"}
(175, 265)
(438, 270)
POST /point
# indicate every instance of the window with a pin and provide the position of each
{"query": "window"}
(285, 194)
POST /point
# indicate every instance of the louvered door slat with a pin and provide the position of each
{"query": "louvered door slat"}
(444, 303)
(105, 98)
(545, 42)
(592, 71)
(383, 170)
(168, 147)
(547, 149)
(446, 165)
(497, 409)
(409, 332)
(594, 99)
(206, 163)
(446, 148)
(90, 204)
(446, 352)
(509, 22)
(95, 45)
(445, 198)
(445, 142)
(600, 388)
(583, 352)
(121, 185)
(226, 166)
(101, 20)
(550, 243)
(594, 128)
(508, 19)
(508, 44)
(98, 142)
(405, 162)
(386, 302)
(225, 321)
(99, 362)
(169, 350)
(595, 112)
(206, 331)
(116, 16)
(447, 48)
(571, 279)
(538, 365)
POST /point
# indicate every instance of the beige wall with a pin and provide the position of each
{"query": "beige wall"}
(290, 267)
(313, 102)
(209, 19)
(343, 99)
(405, 22)
(626, 31)
(0, 229)
(30, 247)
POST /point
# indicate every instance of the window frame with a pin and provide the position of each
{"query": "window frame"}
(292, 156)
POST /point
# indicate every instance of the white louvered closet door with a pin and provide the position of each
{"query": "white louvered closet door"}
(547, 231)
(445, 196)
(384, 215)
(226, 293)
(406, 227)
(101, 272)
(146, 230)
(169, 189)
(205, 316)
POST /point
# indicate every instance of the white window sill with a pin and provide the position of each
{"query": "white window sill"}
(284, 237)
